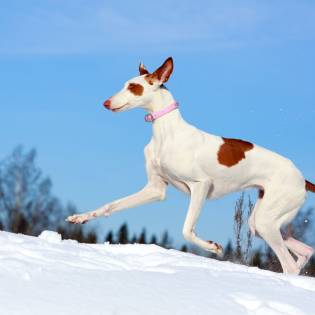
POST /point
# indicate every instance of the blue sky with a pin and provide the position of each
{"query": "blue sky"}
(243, 69)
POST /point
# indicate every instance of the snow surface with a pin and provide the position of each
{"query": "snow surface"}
(45, 275)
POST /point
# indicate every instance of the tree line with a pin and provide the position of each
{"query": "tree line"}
(28, 206)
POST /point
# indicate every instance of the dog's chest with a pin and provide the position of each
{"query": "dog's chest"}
(167, 156)
(174, 161)
(172, 171)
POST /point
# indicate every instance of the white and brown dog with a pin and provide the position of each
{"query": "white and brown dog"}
(206, 166)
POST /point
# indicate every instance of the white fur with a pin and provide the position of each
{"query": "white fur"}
(186, 157)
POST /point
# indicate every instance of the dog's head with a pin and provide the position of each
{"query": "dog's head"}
(140, 90)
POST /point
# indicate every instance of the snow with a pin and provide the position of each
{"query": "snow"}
(50, 236)
(45, 275)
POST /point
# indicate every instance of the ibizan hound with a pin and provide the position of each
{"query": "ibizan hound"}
(206, 166)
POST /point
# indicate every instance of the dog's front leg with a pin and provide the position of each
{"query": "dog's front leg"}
(151, 192)
(154, 190)
(198, 192)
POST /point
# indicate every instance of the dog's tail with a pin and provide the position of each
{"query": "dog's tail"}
(309, 186)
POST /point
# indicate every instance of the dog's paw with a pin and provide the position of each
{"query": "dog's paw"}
(219, 251)
(215, 248)
(77, 219)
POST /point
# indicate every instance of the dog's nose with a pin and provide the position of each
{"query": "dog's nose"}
(107, 104)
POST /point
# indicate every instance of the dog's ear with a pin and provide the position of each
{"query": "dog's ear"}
(163, 73)
(142, 69)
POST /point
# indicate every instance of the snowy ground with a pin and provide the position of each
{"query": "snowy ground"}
(47, 276)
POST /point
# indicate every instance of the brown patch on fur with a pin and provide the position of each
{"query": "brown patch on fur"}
(309, 186)
(261, 193)
(232, 151)
(210, 242)
(151, 78)
(135, 88)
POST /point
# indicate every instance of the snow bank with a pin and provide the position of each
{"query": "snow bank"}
(48, 276)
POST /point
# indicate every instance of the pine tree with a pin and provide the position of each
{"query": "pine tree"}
(123, 234)
(109, 237)
(228, 252)
(256, 260)
(153, 240)
(134, 239)
(184, 249)
(142, 237)
(90, 238)
(165, 241)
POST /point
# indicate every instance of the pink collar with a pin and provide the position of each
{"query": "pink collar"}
(155, 115)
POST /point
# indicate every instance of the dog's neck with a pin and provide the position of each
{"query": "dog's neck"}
(169, 123)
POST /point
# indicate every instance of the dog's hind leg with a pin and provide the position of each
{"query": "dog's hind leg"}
(277, 208)
(198, 195)
(302, 251)
(272, 235)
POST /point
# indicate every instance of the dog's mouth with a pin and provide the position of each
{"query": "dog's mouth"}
(119, 109)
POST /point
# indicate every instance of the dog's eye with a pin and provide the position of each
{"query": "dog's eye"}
(135, 88)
